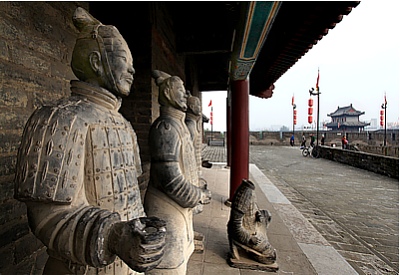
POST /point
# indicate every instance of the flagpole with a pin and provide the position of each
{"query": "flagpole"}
(317, 92)
(294, 117)
(212, 122)
(318, 114)
(384, 106)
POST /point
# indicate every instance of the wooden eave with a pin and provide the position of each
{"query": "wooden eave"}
(207, 34)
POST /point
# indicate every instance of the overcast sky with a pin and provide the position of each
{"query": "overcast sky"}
(359, 62)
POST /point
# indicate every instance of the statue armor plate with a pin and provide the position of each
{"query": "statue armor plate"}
(55, 153)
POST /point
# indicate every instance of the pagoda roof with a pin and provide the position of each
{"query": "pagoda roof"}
(346, 111)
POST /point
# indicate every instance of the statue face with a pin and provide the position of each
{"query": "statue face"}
(194, 106)
(179, 96)
(120, 60)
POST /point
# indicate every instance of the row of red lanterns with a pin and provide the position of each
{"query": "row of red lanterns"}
(382, 117)
(310, 112)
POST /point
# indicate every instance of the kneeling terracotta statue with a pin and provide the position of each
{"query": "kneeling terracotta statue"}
(78, 166)
(247, 232)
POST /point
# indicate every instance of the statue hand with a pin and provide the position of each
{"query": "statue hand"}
(139, 243)
(205, 196)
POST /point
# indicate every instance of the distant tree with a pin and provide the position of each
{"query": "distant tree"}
(284, 128)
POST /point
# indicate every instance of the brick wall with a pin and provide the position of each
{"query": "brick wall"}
(36, 42)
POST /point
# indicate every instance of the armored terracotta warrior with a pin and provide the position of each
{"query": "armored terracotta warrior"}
(173, 189)
(193, 122)
(78, 165)
(247, 230)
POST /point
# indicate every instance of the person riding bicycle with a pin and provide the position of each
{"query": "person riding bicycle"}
(312, 140)
(303, 142)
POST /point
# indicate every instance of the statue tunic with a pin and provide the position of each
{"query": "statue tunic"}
(77, 171)
(193, 123)
(173, 193)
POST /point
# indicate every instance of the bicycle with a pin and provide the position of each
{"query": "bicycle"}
(306, 151)
(310, 151)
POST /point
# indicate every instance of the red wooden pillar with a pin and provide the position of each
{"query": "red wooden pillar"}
(239, 167)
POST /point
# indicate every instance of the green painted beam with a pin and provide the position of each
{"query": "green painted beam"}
(256, 23)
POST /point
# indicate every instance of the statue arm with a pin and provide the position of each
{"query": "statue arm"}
(79, 234)
(92, 236)
(174, 184)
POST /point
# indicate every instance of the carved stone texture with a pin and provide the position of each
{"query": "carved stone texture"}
(78, 165)
(193, 121)
(247, 232)
(173, 189)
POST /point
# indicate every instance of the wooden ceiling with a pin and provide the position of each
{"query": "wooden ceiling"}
(207, 32)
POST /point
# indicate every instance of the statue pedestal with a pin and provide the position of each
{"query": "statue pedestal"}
(198, 242)
(243, 261)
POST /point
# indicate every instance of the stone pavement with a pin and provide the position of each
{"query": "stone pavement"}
(214, 153)
(327, 218)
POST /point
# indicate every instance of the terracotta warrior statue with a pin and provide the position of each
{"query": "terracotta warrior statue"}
(173, 189)
(193, 121)
(247, 230)
(78, 166)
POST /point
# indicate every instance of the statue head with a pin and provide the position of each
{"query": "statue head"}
(101, 55)
(194, 105)
(172, 92)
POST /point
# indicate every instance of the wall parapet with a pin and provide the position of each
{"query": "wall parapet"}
(385, 165)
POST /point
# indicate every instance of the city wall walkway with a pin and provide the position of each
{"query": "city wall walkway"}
(327, 218)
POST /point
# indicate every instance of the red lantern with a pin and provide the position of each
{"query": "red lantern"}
(211, 118)
(294, 121)
(310, 102)
(310, 119)
(310, 110)
(294, 112)
(382, 112)
(382, 120)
